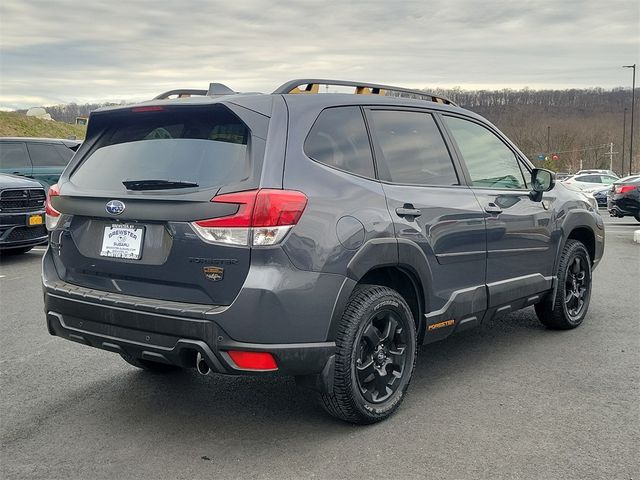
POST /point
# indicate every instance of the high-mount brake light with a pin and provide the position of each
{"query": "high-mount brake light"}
(264, 217)
(52, 216)
(148, 108)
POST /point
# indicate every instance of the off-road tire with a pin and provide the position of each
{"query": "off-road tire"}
(154, 367)
(346, 400)
(553, 312)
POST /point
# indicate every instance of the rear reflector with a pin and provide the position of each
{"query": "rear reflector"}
(253, 360)
(52, 215)
(264, 217)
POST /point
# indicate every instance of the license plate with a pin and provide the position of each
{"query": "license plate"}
(34, 220)
(122, 241)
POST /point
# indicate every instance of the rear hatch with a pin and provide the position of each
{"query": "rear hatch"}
(141, 177)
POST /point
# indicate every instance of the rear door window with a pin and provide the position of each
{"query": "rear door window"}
(14, 158)
(339, 139)
(412, 150)
(202, 147)
(46, 155)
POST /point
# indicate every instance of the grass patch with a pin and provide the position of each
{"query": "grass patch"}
(14, 124)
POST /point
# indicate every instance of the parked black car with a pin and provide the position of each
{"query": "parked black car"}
(42, 159)
(22, 214)
(320, 236)
(623, 199)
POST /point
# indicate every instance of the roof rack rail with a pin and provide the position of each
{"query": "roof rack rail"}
(312, 85)
(214, 89)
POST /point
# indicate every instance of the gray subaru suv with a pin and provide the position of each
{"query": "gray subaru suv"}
(322, 236)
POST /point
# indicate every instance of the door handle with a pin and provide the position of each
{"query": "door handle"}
(492, 208)
(408, 211)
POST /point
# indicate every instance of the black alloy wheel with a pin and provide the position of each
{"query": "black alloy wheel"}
(576, 286)
(381, 356)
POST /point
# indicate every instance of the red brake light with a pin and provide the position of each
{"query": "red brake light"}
(260, 208)
(242, 218)
(52, 215)
(253, 360)
(624, 188)
(149, 108)
(264, 217)
(54, 191)
(278, 208)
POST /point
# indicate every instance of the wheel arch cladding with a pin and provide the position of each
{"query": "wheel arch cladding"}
(587, 237)
(407, 284)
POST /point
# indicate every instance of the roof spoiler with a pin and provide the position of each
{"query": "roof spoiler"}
(215, 89)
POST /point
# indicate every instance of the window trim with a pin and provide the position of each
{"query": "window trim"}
(375, 177)
(377, 149)
(524, 165)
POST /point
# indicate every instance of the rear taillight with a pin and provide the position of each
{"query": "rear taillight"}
(624, 188)
(52, 215)
(264, 217)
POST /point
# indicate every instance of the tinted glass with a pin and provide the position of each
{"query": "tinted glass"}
(46, 155)
(489, 161)
(588, 178)
(413, 149)
(66, 152)
(206, 146)
(339, 139)
(607, 179)
(14, 155)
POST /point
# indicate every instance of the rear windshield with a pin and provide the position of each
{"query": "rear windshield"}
(204, 147)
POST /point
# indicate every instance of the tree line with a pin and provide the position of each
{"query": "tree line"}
(576, 124)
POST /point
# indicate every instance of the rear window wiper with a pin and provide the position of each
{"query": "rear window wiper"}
(157, 184)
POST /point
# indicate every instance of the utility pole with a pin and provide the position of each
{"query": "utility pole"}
(624, 136)
(548, 139)
(611, 153)
(633, 105)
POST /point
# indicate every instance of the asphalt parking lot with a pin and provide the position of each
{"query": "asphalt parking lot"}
(507, 400)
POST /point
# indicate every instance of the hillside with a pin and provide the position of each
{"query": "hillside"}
(14, 124)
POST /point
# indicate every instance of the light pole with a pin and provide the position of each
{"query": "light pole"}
(624, 137)
(633, 104)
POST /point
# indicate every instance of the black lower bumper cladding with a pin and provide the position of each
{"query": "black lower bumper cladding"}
(169, 339)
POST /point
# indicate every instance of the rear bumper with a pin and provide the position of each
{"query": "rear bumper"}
(212, 344)
(623, 206)
(15, 233)
(161, 331)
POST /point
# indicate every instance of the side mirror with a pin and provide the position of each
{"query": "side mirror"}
(541, 181)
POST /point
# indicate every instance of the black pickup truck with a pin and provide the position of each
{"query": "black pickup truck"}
(22, 224)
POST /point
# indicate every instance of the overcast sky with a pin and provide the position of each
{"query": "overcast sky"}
(84, 51)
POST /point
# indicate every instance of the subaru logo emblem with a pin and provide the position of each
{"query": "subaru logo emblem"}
(115, 207)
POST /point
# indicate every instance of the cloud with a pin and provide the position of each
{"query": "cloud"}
(68, 50)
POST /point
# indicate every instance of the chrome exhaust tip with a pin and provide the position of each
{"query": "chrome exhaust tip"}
(201, 365)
